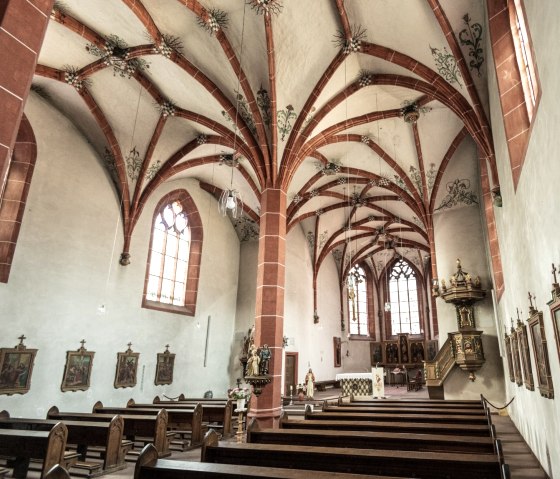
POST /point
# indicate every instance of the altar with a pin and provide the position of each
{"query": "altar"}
(358, 384)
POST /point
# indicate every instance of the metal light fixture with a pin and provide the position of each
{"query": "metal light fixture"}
(230, 201)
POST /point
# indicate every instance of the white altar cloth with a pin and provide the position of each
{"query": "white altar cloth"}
(369, 376)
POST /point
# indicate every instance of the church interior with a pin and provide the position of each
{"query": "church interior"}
(195, 192)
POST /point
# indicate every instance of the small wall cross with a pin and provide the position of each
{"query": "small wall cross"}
(554, 273)
(21, 338)
(82, 342)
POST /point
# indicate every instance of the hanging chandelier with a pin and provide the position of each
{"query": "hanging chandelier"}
(230, 201)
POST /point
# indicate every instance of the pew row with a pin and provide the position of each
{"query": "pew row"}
(426, 464)
(20, 446)
(416, 403)
(149, 466)
(399, 417)
(153, 426)
(217, 415)
(373, 440)
(83, 434)
(183, 419)
(405, 409)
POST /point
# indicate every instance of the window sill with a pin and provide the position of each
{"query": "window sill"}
(168, 308)
(359, 337)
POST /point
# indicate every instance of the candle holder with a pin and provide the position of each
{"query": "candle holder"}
(239, 434)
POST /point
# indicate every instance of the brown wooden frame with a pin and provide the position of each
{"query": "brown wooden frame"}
(387, 356)
(77, 370)
(126, 361)
(376, 353)
(536, 325)
(21, 360)
(507, 341)
(164, 367)
(337, 351)
(416, 348)
(516, 359)
(554, 306)
(523, 342)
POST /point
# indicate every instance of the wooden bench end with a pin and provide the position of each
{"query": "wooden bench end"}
(148, 457)
(57, 472)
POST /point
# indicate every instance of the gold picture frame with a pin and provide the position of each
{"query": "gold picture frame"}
(535, 324)
(516, 359)
(77, 371)
(164, 367)
(525, 354)
(16, 366)
(509, 358)
(127, 368)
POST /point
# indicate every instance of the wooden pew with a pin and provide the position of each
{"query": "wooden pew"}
(479, 430)
(217, 415)
(433, 465)
(462, 404)
(24, 445)
(146, 425)
(177, 419)
(57, 472)
(149, 466)
(400, 417)
(84, 434)
(405, 410)
(372, 440)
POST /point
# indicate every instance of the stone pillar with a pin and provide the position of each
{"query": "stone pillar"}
(22, 28)
(269, 308)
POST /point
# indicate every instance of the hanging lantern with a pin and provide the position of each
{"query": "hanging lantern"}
(230, 201)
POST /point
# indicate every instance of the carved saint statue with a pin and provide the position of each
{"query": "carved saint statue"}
(253, 362)
(264, 359)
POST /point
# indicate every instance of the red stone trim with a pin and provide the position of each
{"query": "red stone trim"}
(195, 255)
(13, 201)
(518, 121)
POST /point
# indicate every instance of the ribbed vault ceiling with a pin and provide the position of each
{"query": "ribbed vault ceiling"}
(315, 97)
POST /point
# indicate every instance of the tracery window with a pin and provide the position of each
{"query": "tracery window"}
(357, 302)
(174, 255)
(403, 297)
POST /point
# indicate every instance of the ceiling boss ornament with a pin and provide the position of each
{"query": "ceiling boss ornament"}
(265, 7)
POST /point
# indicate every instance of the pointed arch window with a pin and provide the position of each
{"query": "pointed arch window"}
(357, 302)
(174, 256)
(403, 296)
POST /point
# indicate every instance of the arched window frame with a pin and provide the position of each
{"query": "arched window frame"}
(195, 254)
(420, 292)
(362, 327)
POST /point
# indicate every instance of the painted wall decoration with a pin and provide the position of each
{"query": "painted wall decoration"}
(127, 367)
(246, 229)
(133, 163)
(263, 102)
(213, 21)
(244, 112)
(152, 170)
(446, 65)
(16, 366)
(164, 367)
(471, 37)
(77, 371)
(285, 119)
(458, 192)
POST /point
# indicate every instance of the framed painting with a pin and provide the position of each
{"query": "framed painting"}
(516, 360)
(77, 371)
(523, 345)
(536, 326)
(509, 358)
(16, 366)
(164, 367)
(337, 347)
(404, 354)
(127, 367)
(376, 353)
(554, 305)
(391, 352)
(431, 349)
(417, 351)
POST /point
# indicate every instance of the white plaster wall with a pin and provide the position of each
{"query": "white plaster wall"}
(528, 231)
(459, 234)
(66, 265)
(313, 342)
